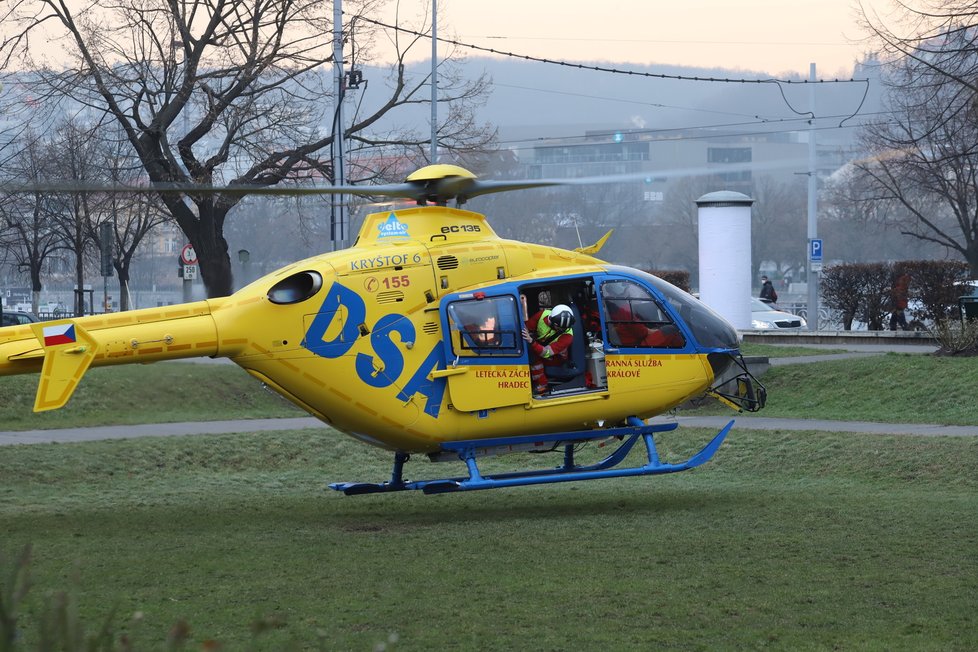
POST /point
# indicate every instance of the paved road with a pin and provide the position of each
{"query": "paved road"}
(866, 427)
(67, 435)
(848, 351)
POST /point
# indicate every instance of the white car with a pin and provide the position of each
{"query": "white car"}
(765, 316)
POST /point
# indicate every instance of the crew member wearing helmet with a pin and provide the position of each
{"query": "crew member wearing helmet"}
(550, 336)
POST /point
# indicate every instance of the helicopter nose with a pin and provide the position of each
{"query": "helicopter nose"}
(712, 332)
(719, 362)
(716, 337)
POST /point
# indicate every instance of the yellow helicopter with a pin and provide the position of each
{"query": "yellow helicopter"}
(416, 340)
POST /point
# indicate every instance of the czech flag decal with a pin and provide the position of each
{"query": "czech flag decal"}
(60, 334)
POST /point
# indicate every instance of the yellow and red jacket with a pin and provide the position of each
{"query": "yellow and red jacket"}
(549, 345)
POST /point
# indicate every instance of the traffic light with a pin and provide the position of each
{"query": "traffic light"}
(105, 247)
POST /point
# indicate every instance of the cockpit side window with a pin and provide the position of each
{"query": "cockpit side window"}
(634, 319)
(486, 326)
(708, 328)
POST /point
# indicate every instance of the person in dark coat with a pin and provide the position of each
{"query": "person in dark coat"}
(768, 292)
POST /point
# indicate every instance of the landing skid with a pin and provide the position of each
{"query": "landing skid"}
(567, 472)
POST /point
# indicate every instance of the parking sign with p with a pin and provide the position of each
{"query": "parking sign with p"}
(815, 250)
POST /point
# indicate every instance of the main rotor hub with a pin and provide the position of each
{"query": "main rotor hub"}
(440, 183)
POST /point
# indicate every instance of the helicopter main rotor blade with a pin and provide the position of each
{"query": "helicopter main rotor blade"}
(440, 190)
(71, 187)
(641, 176)
(420, 189)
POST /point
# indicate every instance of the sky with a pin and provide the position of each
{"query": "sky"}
(758, 35)
(771, 36)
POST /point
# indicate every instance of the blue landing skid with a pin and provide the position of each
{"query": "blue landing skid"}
(569, 471)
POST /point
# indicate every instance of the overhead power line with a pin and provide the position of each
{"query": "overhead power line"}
(617, 71)
(543, 140)
(780, 83)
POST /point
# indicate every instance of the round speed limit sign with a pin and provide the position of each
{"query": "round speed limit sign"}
(187, 255)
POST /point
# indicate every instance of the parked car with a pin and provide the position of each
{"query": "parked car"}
(968, 288)
(917, 314)
(766, 316)
(17, 317)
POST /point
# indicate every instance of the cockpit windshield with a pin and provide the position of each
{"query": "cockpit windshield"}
(710, 329)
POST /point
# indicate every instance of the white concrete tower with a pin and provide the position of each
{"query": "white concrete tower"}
(725, 255)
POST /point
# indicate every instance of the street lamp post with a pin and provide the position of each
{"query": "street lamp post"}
(812, 270)
(338, 226)
(434, 82)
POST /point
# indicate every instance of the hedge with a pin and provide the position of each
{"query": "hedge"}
(862, 291)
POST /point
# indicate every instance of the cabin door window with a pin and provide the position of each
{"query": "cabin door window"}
(485, 353)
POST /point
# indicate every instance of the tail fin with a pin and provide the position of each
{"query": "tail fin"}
(596, 247)
(68, 351)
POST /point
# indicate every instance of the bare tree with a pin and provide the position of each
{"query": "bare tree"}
(861, 224)
(528, 216)
(27, 217)
(778, 224)
(277, 230)
(682, 223)
(223, 92)
(934, 39)
(133, 217)
(72, 153)
(924, 153)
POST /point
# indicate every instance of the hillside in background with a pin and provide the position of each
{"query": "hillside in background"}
(532, 100)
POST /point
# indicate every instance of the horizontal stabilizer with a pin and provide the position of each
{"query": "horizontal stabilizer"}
(68, 352)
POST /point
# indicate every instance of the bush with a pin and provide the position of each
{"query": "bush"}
(956, 337)
(836, 287)
(863, 290)
(936, 284)
(678, 277)
(858, 290)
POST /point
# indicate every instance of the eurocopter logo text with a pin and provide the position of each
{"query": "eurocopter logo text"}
(392, 228)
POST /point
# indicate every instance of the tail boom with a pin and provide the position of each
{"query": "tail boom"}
(63, 350)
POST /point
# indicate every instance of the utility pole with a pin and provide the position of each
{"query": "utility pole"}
(338, 211)
(434, 82)
(812, 274)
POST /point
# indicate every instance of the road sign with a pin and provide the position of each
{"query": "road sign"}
(816, 266)
(815, 250)
(187, 255)
(189, 272)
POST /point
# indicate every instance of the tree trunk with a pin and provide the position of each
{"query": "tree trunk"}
(215, 266)
(217, 274)
(205, 230)
(36, 286)
(847, 318)
(971, 254)
(79, 273)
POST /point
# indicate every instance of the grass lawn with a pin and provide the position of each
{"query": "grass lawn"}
(157, 393)
(895, 388)
(779, 351)
(890, 388)
(784, 540)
